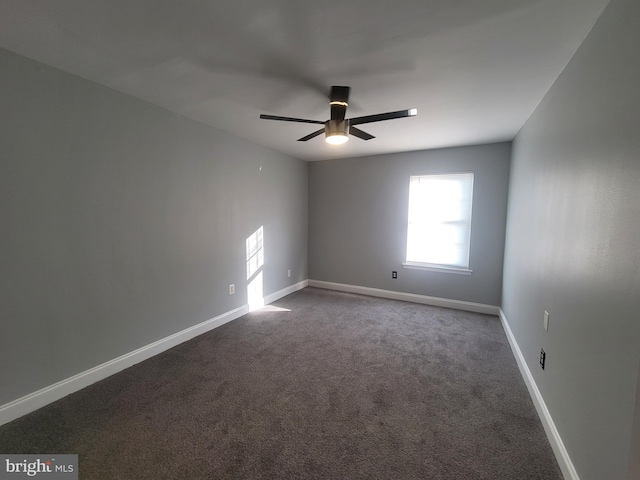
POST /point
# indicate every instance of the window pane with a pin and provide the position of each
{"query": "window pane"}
(439, 219)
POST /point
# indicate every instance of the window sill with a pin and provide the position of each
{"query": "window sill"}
(437, 268)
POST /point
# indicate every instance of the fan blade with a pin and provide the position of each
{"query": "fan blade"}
(339, 100)
(412, 112)
(311, 135)
(290, 119)
(356, 132)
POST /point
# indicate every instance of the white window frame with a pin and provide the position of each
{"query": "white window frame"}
(462, 218)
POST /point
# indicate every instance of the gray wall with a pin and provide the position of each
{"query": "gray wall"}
(358, 221)
(573, 244)
(122, 223)
(634, 451)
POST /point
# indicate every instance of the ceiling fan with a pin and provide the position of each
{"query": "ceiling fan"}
(337, 128)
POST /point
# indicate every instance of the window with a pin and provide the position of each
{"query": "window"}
(439, 227)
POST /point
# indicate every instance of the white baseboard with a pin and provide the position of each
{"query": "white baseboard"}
(33, 401)
(285, 291)
(408, 297)
(562, 456)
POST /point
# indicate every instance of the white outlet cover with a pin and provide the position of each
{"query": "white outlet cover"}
(546, 321)
(232, 289)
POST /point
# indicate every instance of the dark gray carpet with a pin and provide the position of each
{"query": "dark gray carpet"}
(337, 386)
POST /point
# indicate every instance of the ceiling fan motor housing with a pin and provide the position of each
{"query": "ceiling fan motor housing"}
(339, 101)
(336, 127)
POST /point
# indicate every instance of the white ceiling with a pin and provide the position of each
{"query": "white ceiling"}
(475, 70)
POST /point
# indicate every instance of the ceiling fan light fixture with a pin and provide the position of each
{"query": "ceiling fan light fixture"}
(337, 139)
(336, 132)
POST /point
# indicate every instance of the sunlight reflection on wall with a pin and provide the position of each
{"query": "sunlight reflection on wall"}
(255, 262)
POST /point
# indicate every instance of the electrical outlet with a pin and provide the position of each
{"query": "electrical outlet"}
(288, 273)
(543, 358)
(545, 323)
(394, 274)
(232, 289)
